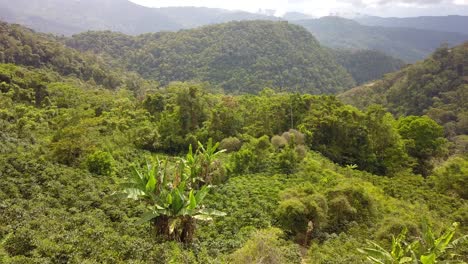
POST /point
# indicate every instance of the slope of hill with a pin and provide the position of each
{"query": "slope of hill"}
(439, 23)
(22, 46)
(70, 17)
(63, 160)
(403, 43)
(238, 57)
(437, 86)
(367, 65)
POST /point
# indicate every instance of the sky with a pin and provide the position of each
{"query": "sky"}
(385, 8)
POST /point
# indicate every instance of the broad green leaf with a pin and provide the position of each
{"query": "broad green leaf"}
(212, 212)
(169, 199)
(193, 201)
(201, 194)
(443, 241)
(406, 260)
(147, 217)
(428, 259)
(151, 184)
(134, 193)
(203, 217)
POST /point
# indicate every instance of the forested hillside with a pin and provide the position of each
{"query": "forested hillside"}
(367, 65)
(236, 56)
(99, 165)
(407, 44)
(409, 39)
(437, 87)
(23, 46)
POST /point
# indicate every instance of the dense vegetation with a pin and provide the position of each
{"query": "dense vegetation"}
(236, 56)
(437, 87)
(408, 44)
(296, 178)
(22, 46)
(367, 65)
(410, 39)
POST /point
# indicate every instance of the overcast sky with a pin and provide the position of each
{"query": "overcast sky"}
(385, 8)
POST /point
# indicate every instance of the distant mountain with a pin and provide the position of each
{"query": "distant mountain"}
(291, 16)
(239, 57)
(440, 23)
(191, 17)
(76, 16)
(404, 43)
(437, 86)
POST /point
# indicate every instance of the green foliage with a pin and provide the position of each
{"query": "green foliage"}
(302, 211)
(173, 195)
(367, 65)
(266, 246)
(435, 87)
(423, 140)
(100, 163)
(452, 177)
(348, 136)
(244, 56)
(58, 131)
(335, 250)
(230, 144)
(427, 250)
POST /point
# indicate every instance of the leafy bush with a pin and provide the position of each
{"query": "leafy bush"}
(266, 247)
(100, 163)
(452, 177)
(230, 144)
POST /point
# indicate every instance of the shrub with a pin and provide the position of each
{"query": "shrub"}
(278, 141)
(100, 163)
(266, 246)
(452, 177)
(230, 144)
(20, 243)
(348, 205)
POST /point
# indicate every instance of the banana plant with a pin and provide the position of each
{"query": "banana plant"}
(426, 250)
(202, 163)
(398, 254)
(170, 192)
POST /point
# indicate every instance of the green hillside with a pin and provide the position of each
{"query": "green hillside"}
(367, 65)
(437, 87)
(237, 57)
(63, 159)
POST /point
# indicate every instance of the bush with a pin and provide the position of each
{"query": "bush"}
(302, 211)
(452, 177)
(100, 163)
(348, 205)
(20, 243)
(278, 141)
(230, 144)
(266, 246)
